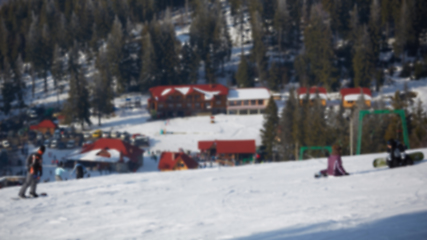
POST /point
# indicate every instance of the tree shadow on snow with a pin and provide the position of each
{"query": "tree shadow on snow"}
(406, 226)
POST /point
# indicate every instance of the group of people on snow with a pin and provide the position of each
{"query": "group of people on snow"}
(34, 164)
(396, 157)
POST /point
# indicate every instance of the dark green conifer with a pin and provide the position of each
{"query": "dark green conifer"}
(363, 63)
(275, 77)
(286, 127)
(244, 77)
(269, 131)
(319, 51)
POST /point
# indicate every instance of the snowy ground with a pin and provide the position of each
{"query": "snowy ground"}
(268, 201)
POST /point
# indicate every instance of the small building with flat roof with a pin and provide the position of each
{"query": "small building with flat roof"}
(244, 101)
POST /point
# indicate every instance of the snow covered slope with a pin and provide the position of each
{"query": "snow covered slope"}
(184, 132)
(268, 201)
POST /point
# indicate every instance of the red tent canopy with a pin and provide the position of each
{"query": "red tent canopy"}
(44, 124)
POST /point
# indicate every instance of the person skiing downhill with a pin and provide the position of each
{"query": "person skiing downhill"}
(396, 154)
(34, 172)
(335, 167)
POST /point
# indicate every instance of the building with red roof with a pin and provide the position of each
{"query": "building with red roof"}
(44, 126)
(229, 150)
(312, 92)
(351, 95)
(110, 151)
(171, 161)
(187, 100)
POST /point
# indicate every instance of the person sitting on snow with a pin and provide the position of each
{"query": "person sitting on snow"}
(396, 154)
(335, 167)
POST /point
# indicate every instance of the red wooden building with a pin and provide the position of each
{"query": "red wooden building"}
(229, 150)
(187, 100)
(351, 95)
(170, 161)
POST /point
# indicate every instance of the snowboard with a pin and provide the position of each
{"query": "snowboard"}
(382, 162)
(30, 197)
(319, 175)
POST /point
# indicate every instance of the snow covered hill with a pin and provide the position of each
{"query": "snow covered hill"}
(267, 201)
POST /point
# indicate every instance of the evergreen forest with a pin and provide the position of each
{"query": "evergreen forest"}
(133, 45)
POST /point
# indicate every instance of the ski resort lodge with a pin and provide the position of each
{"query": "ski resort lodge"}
(187, 100)
(229, 152)
(171, 161)
(313, 92)
(351, 95)
(108, 152)
(243, 101)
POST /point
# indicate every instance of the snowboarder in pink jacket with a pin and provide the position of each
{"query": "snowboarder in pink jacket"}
(335, 167)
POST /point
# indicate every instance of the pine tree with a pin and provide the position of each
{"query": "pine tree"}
(269, 131)
(243, 76)
(302, 70)
(363, 63)
(354, 26)
(8, 88)
(147, 77)
(285, 126)
(418, 135)
(275, 77)
(405, 32)
(19, 81)
(394, 128)
(339, 14)
(297, 128)
(259, 50)
(319, 51)
(283, 26)
(58, 69)
(3, 40)
(45, 54)
(222, 42)
(115, 53)
(189, 65)
(77, 105)
(102, 93)
(209, 36)
(167, 49)
(375, 29)
(315, 124)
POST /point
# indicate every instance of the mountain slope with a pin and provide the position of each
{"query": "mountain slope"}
(268, 201)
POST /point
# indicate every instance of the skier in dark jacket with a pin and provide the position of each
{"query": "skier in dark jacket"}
(79, 169)
(335, 167)
(396, 154)
(34, 172)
